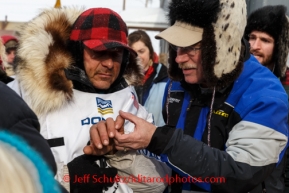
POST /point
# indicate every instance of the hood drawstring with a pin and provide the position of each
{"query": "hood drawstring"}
(209, 118)
(168, 98)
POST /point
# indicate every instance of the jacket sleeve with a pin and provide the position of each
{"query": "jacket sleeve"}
(18, 118)
(194, 158)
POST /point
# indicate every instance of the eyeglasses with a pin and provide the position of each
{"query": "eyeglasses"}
(189, 49)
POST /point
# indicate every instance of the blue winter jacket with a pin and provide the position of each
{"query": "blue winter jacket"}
(248, 131)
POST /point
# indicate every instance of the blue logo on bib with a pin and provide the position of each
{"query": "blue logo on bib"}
(104, 106)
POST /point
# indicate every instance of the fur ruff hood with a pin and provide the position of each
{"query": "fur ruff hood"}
(43, 57)
(273, 21)
(223, 22)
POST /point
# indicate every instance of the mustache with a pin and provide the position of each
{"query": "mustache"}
(107, 71)
(186, 65)
(256, 53)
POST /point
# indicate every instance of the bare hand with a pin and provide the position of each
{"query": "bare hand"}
(100, 138)
(139, 138)
(93, 150)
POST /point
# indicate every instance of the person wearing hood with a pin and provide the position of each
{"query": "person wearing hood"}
(11, 43)
(267, 31)
(20, 129)
(75, 70)
(3, 61)
(219, 105)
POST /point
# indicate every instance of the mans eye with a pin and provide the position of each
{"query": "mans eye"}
(265, 40)
(95, 55)
(116, 55)
(189, 48)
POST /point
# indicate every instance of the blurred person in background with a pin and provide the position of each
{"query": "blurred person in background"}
(267, 31)
(151, 93)
(3, 61)
(11, 43)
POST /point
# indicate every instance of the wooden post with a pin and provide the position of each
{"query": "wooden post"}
(5, 23)
(123, 5)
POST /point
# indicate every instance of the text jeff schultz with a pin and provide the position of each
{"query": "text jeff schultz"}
(88, 178)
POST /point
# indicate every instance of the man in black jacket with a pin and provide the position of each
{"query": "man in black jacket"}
(17, 118)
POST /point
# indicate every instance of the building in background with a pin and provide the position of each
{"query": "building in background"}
(153, 19)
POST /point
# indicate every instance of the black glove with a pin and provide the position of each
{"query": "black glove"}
(87, 176)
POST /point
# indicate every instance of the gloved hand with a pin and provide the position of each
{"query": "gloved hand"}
(90, 173)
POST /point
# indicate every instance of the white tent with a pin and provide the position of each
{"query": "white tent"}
(145, 18)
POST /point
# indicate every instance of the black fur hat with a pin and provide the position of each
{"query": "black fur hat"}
(273, 21)
(221, 24)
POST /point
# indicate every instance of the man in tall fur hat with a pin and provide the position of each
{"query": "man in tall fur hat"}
(75, 69)
(218, 107)
(267, 31)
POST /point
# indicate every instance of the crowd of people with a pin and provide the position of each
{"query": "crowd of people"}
(90, 108)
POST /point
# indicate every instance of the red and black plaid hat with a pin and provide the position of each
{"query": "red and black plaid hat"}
(100, 29)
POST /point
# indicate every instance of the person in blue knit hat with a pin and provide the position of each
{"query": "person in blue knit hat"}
(22, 168)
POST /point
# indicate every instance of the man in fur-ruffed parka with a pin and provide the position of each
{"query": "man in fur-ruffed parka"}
(74, 69)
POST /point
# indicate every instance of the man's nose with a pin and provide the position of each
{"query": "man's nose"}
(107, 62)
(181, 57)
(255, 44)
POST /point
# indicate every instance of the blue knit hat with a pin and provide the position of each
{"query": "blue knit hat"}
(44, 178)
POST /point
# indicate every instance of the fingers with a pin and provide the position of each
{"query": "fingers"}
(121, 148)
(95, 137)
(132, 118)
(119, 136)
(106, 130)
(125, 149)
(123, 140)
(90, 150)
(110, 128)
(119, 122)
(102, 131)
